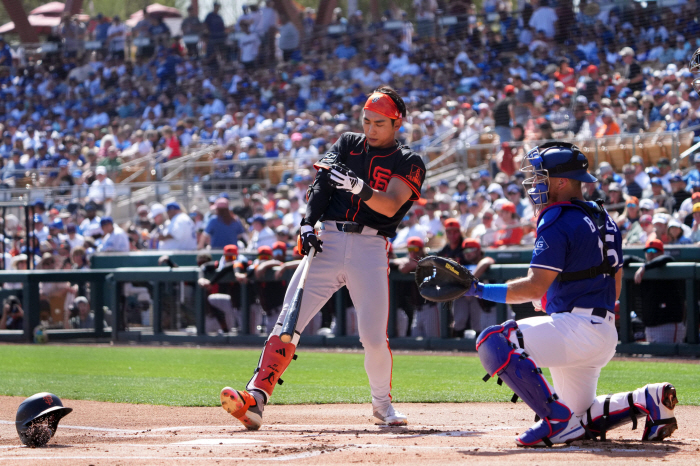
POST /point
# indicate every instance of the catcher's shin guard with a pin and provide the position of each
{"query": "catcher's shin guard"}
(274, 360)
(655, 402)
(504, 358)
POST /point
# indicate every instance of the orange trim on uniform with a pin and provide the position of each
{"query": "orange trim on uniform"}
(383, 105)
(410, 185)
(358, 209)
(388, 311)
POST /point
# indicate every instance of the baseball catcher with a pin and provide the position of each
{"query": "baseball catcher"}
(575, 277)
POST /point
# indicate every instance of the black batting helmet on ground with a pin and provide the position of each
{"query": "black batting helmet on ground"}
(37, 408)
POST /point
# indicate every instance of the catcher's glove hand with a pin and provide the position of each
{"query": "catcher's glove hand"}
(440, 279)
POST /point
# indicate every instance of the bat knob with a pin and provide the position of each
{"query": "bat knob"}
(285, 338)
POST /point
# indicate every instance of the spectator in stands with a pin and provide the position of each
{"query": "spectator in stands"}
(216, 31)
(14, 169)
(79, 258)
(115, 239)
(5, 54)
(261, 234)
(633, 76)
(116, 38)
(679, 193)
(223, 228)
(40, 231)
(192, 26)
(101, 190)
(662, 302)
(289, 40)
(179, 234)
(79, 316)
(411, 228)
(91, 226)
(609, 126)
(486, 230)
(512, 232)
(12, 314)
(631, 187)
(503, 114)
(693, 177)
(676, 233)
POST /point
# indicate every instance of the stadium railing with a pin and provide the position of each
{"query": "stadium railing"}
(176, 309)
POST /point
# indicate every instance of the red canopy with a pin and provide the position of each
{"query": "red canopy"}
(41, 23)
(155, 9)
(50, 9)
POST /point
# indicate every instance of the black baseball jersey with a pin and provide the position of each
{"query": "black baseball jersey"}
(376, 167)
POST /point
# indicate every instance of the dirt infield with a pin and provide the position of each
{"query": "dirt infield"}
(105, 433)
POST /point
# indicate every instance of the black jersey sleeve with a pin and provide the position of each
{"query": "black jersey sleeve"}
(320, 192)
(411, 170)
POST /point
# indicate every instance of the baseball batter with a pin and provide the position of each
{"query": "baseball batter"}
(364, 186)
(575, 277)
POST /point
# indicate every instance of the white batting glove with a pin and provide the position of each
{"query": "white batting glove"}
(345, 179)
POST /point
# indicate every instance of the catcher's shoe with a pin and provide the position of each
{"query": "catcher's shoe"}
(661, 400)
(243, 406)
(561, 427)
(562, 432)
(391, 417)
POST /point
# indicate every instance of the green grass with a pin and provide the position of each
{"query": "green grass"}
(194, 377)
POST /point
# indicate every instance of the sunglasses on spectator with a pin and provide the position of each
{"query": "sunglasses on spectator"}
(264, 256)
(645, 208)
(469, 250)
(488, 218)
(631, 205)
(413, 249)
(651, 250)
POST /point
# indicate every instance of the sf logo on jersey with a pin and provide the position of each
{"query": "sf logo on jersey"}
(380, 178)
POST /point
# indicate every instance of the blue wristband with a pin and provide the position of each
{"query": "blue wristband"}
(496, 293)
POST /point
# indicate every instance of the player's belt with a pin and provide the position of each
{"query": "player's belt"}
(596, 311)
(349, 227)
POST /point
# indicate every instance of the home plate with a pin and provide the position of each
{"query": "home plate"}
(220, 441)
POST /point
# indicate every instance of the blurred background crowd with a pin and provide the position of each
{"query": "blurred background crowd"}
(261, 98)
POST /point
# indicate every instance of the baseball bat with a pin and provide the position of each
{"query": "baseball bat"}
(290, 320)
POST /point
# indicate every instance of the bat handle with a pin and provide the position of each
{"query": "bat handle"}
(290, 321)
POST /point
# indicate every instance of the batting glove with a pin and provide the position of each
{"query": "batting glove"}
(345, 179)
(308, 239)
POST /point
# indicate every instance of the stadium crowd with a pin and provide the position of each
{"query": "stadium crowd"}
(70, 119)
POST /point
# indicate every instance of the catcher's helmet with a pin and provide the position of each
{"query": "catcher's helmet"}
(553, 160)
(36, 408)
(694, 67)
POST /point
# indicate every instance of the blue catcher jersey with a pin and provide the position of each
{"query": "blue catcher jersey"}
(568, 241)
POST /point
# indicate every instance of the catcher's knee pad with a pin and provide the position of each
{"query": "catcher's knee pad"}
(274, 360)
(500, 357)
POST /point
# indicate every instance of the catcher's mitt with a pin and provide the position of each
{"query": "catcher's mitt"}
(440, 279)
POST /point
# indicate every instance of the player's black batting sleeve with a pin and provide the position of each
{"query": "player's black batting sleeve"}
(320, 192)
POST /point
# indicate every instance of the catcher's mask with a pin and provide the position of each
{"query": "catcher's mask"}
(37, 407)
(554, 159)
(694, 67)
